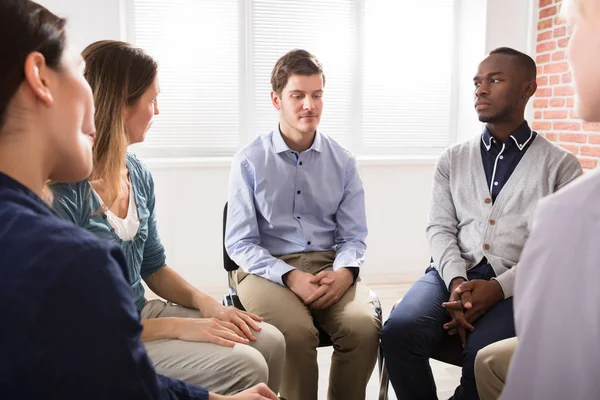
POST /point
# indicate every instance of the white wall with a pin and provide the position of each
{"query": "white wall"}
(191, 193)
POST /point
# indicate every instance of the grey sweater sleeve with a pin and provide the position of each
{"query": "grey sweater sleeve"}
(442, 228)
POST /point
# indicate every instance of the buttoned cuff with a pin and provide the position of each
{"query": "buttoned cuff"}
(277, 271)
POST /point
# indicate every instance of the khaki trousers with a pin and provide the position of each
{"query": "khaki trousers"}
(491, 368)
(219, 369)
(351, 323)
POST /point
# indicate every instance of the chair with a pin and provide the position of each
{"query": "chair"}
(232, 298)
(448, 351)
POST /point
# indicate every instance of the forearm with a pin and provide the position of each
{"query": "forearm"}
(169, 285)
(160, 328)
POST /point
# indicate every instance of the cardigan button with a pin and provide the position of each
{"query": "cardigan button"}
(492, 222)
(486, 246)
(487, 200)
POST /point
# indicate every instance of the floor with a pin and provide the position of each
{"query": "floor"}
(389, 289)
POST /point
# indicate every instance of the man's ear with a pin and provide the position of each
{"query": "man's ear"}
(38, 77)
(276, 100)
(530, 90)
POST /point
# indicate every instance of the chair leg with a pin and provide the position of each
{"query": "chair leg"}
(384, 381)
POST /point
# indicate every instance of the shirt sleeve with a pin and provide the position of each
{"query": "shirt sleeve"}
(66, 203)
(556, 307)
(442, 229)
(242, 237)
(351, 221)
(90, 335)
(154, 251)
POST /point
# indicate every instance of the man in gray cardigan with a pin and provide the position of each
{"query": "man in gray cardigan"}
(484, 193)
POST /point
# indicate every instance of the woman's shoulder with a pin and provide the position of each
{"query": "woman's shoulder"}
(139, 171)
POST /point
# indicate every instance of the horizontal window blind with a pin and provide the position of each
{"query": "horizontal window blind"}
(389, 67)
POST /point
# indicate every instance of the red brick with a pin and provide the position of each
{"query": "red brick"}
(547, 12)
(594, 139)
(573, 114)
(590, 151)
(545, 46)
(570, 102)
(545, 3)
(542, 81)
(572, 137)
(537, 115)
(541, 126)
(571, 148)
(588, 163)
(556, 67)
(544, 58)
(540, 103)
(567, 126)
(556, 114)
(562, 43)
(539, 70)
(545, 24)
(566, 78)
(554, 80)
(558, 32)
(591, 126)
(553, 137)
(564, 91)
(558, 102)
(558, 55)
(544, 36)
(543, 92)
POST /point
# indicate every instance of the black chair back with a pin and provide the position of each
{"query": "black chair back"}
(228, 263)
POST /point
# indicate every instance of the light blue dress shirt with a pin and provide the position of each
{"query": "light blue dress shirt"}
(284, 202)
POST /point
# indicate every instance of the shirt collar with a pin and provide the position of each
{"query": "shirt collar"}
(521, 136)
(280, 146)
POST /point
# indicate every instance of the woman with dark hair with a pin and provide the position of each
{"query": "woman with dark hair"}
(70, 329)
(193, 337)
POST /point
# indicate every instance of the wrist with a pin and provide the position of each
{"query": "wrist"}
(202, 301)
(289, 278)
(498, 291)
(346, 274)
(456, 283)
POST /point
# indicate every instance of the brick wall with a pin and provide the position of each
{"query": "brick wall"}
(553, 104)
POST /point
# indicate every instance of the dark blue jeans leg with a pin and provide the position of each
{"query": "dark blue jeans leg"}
(411, 334)
(495, 325)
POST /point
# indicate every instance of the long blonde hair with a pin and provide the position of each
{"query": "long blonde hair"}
(119, 74)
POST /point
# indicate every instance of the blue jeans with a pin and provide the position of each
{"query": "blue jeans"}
(415, 329)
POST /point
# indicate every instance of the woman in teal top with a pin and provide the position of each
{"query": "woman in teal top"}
(191, 337)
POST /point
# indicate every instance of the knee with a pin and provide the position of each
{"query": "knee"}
(270, 341)
(252, 367)
(492, 360)
(299, 335)
(397, 331)
(358, 331)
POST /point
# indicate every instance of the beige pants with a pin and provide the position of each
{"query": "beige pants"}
(219, 369)
(491, 368)
(351, 323)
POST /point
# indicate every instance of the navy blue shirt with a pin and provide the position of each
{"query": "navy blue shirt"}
(70, 329)
(501, 159)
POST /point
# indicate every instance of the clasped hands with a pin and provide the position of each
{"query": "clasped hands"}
(322, 290)
(468, 301)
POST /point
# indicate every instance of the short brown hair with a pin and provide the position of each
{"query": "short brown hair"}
(26, 27)
(294, 62)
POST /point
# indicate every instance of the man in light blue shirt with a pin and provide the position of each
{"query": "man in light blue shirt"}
(296, 226)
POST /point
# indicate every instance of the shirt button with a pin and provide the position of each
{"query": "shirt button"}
(469, 265)
(486, 246)
(141, 219)
(502, 157)
(492, 222)
(308, 243)
(487, 200)
(300, 163)
(104, 216)
(495, 183)
(298, 217)
(298, 192)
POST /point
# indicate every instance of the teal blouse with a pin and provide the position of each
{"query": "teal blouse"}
(145, 253)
